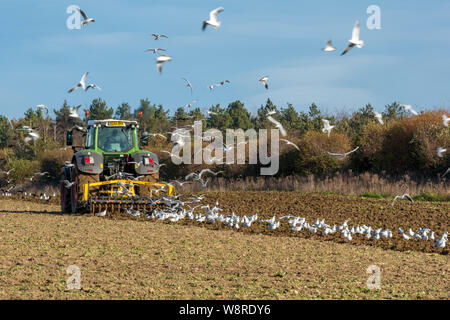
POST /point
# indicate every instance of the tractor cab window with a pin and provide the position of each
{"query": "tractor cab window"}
(112, 139)
(90, 137)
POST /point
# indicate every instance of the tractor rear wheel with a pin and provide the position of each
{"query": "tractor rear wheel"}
(64, 197)
(80, 180)
(146, 191)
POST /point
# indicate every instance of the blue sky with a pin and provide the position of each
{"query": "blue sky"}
(407, 60)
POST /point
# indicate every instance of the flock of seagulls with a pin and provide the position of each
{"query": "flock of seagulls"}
(177, 210)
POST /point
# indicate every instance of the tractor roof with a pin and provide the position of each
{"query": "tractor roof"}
(112, 122)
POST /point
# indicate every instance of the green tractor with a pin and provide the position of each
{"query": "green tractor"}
(110, 170)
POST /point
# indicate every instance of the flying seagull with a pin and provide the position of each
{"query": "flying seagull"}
(223, 82)
(448, 170)
(74, 112)
(278, 125)
(407, 196)
(82, 83)
(32, 135)
(329, 47)
(213, 19)
(264, 80)
(85, 17)
(92, 86)
(160, 60)
(379, 117)
(343, 155)
(326, 126)
(42, 107)
(445, 120)
(157, 36)
(188, 84)
(354, 41)
(198, 176)
(410, 109)
(291, 143)
(440, 152)
(155, 50)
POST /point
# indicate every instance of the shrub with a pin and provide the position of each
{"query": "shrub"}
(314, 159)
(51, 161)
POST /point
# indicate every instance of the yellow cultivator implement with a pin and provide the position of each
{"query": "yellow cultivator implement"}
(117, 195)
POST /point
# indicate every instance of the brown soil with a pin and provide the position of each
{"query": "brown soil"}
(125, 259)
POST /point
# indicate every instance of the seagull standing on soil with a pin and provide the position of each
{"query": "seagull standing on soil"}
(264, 81)
(101, 214)
(354, 41)
(82, 83)
(278, 125)
(160, 60)
(213, 19)
(329, 47)
(327, 127)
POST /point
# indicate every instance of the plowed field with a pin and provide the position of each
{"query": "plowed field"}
(121, 258)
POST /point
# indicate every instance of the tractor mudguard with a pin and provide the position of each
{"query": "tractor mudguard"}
(148, 163)
(89, 162)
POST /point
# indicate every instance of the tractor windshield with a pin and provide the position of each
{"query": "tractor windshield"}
(112, 139)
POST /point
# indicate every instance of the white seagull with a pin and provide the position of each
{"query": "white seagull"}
(448, 170)
(188, 84)
(326, 126)
(291, 143)
(329, 47)
(213, 19)
(92, 86)
(157, 36)
(160, 60)
(410, 109)
(82, 83)
(32, 135)
(343, 155)
(379, 117)
(155, 50)
(264, 81)
(445, 120)
(101, 214)
(440, 152)
(278, 125)
(407, 196)
(354, 41)
(42, 107)
(74, 112)
(85, 17)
